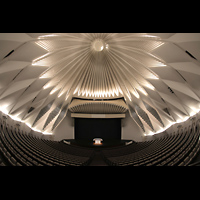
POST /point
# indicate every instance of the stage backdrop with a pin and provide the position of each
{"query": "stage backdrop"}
(89, 128)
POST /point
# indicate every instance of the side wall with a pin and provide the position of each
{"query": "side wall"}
(65, 130)
(130, 130)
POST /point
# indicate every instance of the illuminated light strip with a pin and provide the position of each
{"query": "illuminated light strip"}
(101, 93)
(15, 118)
(195, 111)
(136, 94)
(61, 93)
(49, 35)
(150, 86)
(143, 91)
(53, 91)
(41, 44)
(44, 76)
(170, 124)
(34, 62)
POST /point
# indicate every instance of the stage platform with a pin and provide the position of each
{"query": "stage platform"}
(90, 144)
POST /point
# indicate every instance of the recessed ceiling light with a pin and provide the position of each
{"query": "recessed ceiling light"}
(98, 45)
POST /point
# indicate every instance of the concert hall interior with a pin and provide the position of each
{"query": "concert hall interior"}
(99, 99)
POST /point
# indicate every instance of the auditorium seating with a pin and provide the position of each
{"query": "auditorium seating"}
(174, 150)
(19, 149)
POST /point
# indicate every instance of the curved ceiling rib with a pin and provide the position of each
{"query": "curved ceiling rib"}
(158, 75)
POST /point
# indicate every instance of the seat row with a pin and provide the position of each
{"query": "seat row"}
(24, 150)
(19, 149)
(175, 149)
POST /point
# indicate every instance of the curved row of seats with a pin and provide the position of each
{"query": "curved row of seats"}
(23, 150)
(176, 149)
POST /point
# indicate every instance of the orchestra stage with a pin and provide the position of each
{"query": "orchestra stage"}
(106, 143)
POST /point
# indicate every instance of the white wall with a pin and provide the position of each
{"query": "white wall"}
(174, 128)
(65, 129)
(130, 131)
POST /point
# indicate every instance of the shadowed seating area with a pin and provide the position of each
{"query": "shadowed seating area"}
(19, 149)
(173, 150)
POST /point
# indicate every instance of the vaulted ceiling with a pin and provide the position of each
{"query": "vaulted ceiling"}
(157, 75)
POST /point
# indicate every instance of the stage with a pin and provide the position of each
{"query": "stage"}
(106, 143)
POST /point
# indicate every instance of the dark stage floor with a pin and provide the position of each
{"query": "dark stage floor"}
(105, 143)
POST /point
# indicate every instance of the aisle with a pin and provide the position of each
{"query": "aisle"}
(97, 160)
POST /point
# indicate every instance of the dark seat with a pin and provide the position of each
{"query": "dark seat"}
(25, 150)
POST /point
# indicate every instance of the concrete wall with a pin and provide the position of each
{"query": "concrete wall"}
(65, 129)
(130, 131)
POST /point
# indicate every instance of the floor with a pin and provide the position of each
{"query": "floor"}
(89, 143)
(98, 160)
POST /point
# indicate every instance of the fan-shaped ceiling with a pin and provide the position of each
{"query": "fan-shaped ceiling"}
(98, 107)
(157, 74)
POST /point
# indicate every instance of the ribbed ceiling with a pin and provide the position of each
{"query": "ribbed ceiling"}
(98, 107)
(158, 75)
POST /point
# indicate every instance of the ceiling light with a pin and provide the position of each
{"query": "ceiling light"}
(150, 86)
(53, 91)
(61, 93)
(151, 133)
(98, 45)
(136, 94)
(46, 86)
(143, 91)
